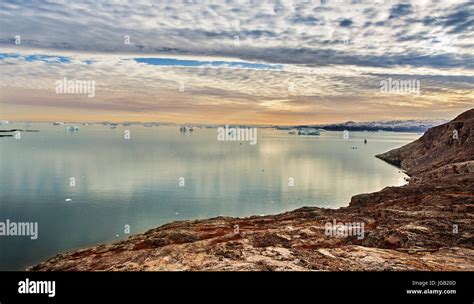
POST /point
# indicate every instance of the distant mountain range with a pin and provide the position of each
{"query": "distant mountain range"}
(418, 126)
(374, 126)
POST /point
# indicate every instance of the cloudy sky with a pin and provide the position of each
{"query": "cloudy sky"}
(242, 61)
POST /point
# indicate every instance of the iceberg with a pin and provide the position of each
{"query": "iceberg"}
(308, 131)
(72, 128)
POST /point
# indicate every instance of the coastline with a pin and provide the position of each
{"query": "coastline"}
(411, 227)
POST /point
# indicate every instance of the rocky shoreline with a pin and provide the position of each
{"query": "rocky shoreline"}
(425, 225)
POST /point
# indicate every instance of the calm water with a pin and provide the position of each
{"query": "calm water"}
(135, 182)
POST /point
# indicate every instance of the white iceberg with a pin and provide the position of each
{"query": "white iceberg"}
(72, 128)
(308, 131)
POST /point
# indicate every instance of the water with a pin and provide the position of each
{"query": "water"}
(136, 182)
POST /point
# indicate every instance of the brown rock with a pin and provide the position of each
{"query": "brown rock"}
(393, 240)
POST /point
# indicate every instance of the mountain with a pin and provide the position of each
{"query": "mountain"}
(392, 125)
(447, 144)
(427, 224)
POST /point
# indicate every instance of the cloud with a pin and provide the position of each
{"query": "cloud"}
(180, 28)
(238, 56)
(345, 23)
(461, 20)
(399, 10)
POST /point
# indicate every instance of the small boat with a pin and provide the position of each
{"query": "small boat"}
(182, 129)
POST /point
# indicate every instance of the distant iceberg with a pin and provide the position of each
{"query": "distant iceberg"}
(72, 128)
(308, 131)
(4, 122)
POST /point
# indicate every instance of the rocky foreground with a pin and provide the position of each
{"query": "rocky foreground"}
(425, 225)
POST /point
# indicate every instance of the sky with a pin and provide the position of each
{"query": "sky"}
(244, 61)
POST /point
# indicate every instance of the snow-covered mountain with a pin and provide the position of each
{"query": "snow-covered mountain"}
(390, 125)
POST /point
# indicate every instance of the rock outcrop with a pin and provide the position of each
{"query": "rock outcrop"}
(427, 224)
(443, 145)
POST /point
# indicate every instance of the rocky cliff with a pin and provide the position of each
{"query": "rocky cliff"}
(444, 145)
(425, 225)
